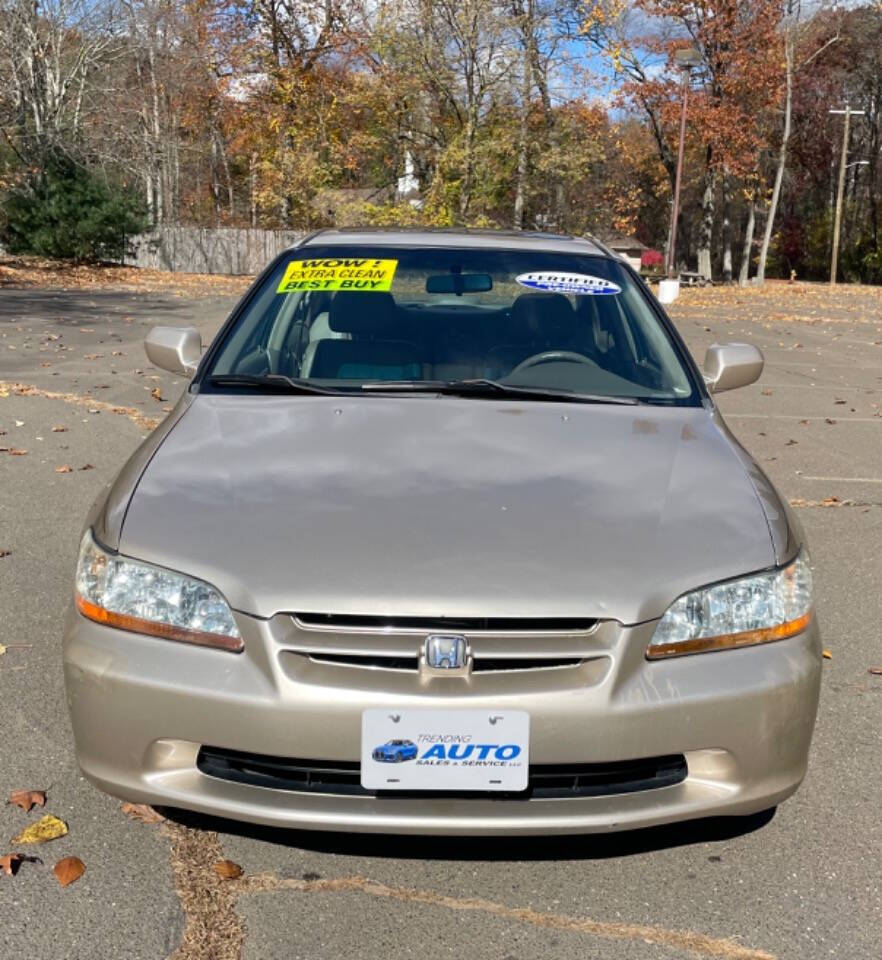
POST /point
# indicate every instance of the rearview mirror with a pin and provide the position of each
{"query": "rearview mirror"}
(176, 349)
(731, 365)
(459, 283)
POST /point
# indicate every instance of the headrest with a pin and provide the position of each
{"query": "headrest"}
(542, 316)
(365, 313)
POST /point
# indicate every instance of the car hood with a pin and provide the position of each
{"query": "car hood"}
(431, 507)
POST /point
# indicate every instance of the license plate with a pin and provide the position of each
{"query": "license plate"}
(445, 749)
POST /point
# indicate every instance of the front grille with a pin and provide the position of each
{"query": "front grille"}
(367, 660)
(343, 778)
(442, 624)
(486, 664)
(479, 664)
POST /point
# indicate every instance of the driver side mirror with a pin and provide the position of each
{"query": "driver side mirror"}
(176, 349)
(731, 365)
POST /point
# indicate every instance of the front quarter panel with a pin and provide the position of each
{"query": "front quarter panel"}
(108, 512)
(784, 527)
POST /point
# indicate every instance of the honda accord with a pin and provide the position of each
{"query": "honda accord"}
(464, 490)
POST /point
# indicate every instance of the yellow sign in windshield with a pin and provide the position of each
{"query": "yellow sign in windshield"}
(338, 274)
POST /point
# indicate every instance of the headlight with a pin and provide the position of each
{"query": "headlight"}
(140, 597)
(757, 609)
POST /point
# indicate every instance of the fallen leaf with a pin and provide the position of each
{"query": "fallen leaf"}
(27, 799)
(827, 655)
(156, 393)
(87, 466)
(837, 402)
(45, 829)
(5, 553)
(64, 468)
(17, 452)
(791, 443)
(10, 862)
(766, 393)
(2, 649)
(829, 420)
(68, 870)
(142, 812)
(876, 671)
(227, 870)
(830, 501)
(93, 356)
(59, 428)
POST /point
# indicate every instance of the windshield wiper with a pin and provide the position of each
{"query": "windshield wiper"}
(484, 387)
(272, 382)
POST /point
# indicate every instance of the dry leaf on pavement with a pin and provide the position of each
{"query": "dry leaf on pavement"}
(45, 829)
(156, 393)
(827, 655)
(68, 870)
(59, 428)
(64, 468)
(10, 862)
(5, 553)
(227, 870)
(876, 671)
(142, 812)
(17, 452)
(26, 799)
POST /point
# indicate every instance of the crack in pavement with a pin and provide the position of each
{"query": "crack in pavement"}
(28, 390)
(699, 944)
(214, 929)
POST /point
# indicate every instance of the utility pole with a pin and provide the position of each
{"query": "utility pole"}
(685, 60)
(837, 222)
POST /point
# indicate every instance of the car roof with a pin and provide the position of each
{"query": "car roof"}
(458, 237)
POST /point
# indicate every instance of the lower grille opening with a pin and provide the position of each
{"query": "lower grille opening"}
(343, 778)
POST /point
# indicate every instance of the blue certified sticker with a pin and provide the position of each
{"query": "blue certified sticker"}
(579, 284)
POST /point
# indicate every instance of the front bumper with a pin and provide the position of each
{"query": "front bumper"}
(142, 708)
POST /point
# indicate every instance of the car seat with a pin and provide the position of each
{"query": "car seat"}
(375, 350)
(538, 322)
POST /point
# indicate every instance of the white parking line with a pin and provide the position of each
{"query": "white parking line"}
(796, 416)
(844, 479)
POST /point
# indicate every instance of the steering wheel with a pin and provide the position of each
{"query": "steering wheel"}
(552, 356)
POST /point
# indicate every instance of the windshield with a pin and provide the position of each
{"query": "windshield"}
(352, 318)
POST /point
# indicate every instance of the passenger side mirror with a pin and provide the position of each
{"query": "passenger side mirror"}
(731, 365)
(176, 349)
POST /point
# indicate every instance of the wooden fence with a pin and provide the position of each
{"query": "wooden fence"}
(221, 250)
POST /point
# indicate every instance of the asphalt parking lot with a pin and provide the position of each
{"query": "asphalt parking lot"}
(76, 392)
